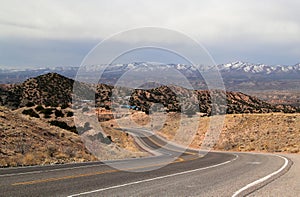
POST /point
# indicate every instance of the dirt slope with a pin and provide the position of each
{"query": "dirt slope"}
(28, 141)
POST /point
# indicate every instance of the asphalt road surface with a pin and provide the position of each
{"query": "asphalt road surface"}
(166, 173)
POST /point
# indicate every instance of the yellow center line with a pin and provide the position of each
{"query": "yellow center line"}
(94, 173)
(63, 178)
(104, 172)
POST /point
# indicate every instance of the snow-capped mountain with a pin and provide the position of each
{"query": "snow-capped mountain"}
(244, 67)
(235, 67)
(230, 71)
(236, 75)
(143, 66)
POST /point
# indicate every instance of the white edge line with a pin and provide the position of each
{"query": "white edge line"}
(153, 179)
(263, 178)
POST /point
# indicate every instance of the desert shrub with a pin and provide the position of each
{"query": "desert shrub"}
(54, 104)
(64, 106)
(47, 116)
(30, 112)
(87, 126)
(29, 159)
(70, 152)
(80, 130)
(63, 125)
(106, 140)
(85, 109)
(47, 111)
(51, 103)
(147, 111)
(29, 104)
(109, 137)
(39, 108)
(83, 129)
(70, 114)
(190, 112)
(51, 150)
(58, 113)
(101, 138)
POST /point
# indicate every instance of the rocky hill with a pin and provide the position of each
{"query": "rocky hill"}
(55, 90)
(237, 102)
(40, 129)
(50, 89)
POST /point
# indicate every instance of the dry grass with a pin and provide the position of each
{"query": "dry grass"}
(270, 132)
(276, 132)
(122, 145)
(30, 141)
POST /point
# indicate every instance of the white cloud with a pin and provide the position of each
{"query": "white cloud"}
(209, 21)
(231, 29)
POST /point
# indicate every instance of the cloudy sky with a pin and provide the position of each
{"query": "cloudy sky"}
(61, 32)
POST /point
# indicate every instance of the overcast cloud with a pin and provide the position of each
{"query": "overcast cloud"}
(55, 33)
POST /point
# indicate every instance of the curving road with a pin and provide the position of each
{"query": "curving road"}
(163, 174)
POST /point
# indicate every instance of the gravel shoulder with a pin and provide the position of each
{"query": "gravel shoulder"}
(286, 185)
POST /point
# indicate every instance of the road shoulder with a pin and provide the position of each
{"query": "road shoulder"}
(286, 185)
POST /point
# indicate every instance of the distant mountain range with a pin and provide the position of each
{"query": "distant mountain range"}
(244, 67)
(237, 76)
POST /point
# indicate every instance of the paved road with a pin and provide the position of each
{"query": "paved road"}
(288, 185)
(215, 174)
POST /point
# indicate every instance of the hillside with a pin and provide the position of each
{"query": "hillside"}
(55, 90)
(278, 97)
(268, 132)
(236, 102)
(30, 141)
(275, 132)
(40, 135)
(38, 125)
(50, 89)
